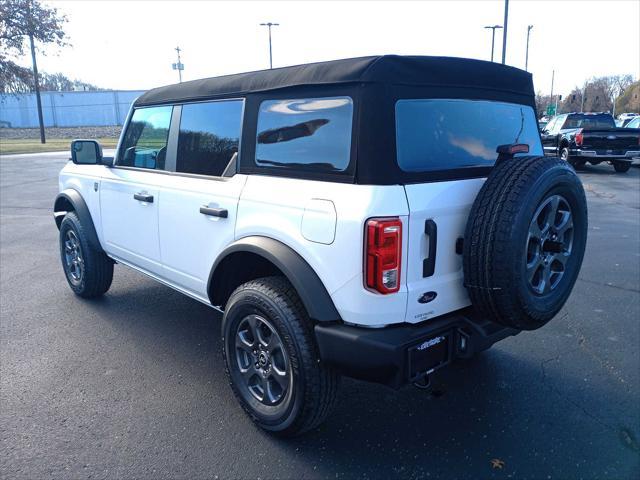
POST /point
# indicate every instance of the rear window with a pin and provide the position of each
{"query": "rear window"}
(311, 134)
(589, 122)
(438, 134)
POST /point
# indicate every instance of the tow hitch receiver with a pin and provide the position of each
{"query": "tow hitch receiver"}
(428, 355)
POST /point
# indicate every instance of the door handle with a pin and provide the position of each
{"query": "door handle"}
(214, 212)
(429, 263)
(143, 197)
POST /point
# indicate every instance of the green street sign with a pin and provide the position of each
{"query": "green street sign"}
(551, 110)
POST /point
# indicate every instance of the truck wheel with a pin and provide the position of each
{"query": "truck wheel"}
(272, 361)
(622, 167)
(525, 240)
(88, 270)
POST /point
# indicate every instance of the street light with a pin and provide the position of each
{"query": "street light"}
(493, 36)
(270, 24)
(179, 66)
(526, 60)
(504, 32)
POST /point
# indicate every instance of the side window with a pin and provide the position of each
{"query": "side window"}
(145, 142)
(209, 136)
(312, 134)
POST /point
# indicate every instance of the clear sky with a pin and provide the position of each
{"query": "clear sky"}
(130, 45)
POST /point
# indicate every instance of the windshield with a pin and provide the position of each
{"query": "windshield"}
(440, 134)
(589, 122)
(635, 123)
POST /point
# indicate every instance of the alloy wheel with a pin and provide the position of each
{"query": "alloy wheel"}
(549, 244)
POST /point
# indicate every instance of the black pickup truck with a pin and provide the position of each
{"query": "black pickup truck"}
(591, 137)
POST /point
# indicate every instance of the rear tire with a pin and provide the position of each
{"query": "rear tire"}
(621, 167)
(272, 361)
(525, 241)
(88, 270)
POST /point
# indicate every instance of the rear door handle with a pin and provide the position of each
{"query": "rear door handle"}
(143, 197)
(214, 212)
(429, 263)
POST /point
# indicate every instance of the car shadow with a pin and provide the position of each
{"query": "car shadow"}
(480, 411)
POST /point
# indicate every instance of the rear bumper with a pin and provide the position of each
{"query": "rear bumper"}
(388, 355)
(601, 156)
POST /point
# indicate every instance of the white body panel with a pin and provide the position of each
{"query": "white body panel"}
(130, 226)
(190, 241)
(275, 207)
(448, 205)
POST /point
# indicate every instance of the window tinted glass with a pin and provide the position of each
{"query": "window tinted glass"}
(209, 136)
(589, 121)
(145, 143)
(447, 134)
(312, 134)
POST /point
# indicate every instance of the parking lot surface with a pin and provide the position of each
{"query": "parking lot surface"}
(132, 385)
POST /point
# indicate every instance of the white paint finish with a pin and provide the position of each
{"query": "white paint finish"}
(319, 221)
(130, 227)
(190, 241)
(274, 207)
(448, 204)
(82, 178)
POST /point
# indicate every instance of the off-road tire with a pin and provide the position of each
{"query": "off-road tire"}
(314, 385)
(621, 167)
(97, 268)
(496, 245)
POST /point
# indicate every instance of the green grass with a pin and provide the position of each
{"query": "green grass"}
(10, 146)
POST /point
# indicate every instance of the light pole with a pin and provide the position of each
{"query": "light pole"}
(504, 32)
(270, 24)
(526, 60)
(493, 36)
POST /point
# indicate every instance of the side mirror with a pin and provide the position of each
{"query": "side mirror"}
(86, 152)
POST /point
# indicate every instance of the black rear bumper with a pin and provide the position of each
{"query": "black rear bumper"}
(397, 355)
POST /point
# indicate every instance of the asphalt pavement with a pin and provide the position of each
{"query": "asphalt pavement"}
(132, 385)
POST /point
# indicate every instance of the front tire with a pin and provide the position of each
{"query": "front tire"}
(272, 360)
(88, 270)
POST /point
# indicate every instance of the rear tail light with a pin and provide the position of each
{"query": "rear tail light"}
(383, 254)
(579, 138)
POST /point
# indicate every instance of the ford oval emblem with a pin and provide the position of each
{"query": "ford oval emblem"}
(611, 137)
(427, 297)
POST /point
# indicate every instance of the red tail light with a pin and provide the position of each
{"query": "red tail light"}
(383, 254)
(579, 138)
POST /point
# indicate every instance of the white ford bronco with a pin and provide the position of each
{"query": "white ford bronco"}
(375, 217)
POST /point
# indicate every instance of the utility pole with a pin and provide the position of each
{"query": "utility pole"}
(36, 83)
(493, 36)
(179, 66)
(553, 75)
(584, 91)
(504, 32)
(526, 60)
(269, 25)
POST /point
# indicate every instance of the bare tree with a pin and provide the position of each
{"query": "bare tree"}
(22, 20)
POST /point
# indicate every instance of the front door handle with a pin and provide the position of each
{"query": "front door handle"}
(143, 197)
(214, 212)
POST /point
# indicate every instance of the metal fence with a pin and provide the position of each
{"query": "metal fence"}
(67, 109)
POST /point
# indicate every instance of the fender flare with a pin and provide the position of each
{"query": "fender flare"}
(304, 279)
(74, 198)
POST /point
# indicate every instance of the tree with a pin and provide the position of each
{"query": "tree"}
(629, 100)
(600, 93)
(22, 20)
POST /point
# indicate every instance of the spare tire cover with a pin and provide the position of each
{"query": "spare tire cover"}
(525, 240)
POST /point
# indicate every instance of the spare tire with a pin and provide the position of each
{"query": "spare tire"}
(525, 240)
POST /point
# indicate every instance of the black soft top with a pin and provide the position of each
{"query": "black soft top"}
(374, 84)
(385, 69)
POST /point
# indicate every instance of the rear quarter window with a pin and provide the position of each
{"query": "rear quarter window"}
(311, 134)
(443, 134)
